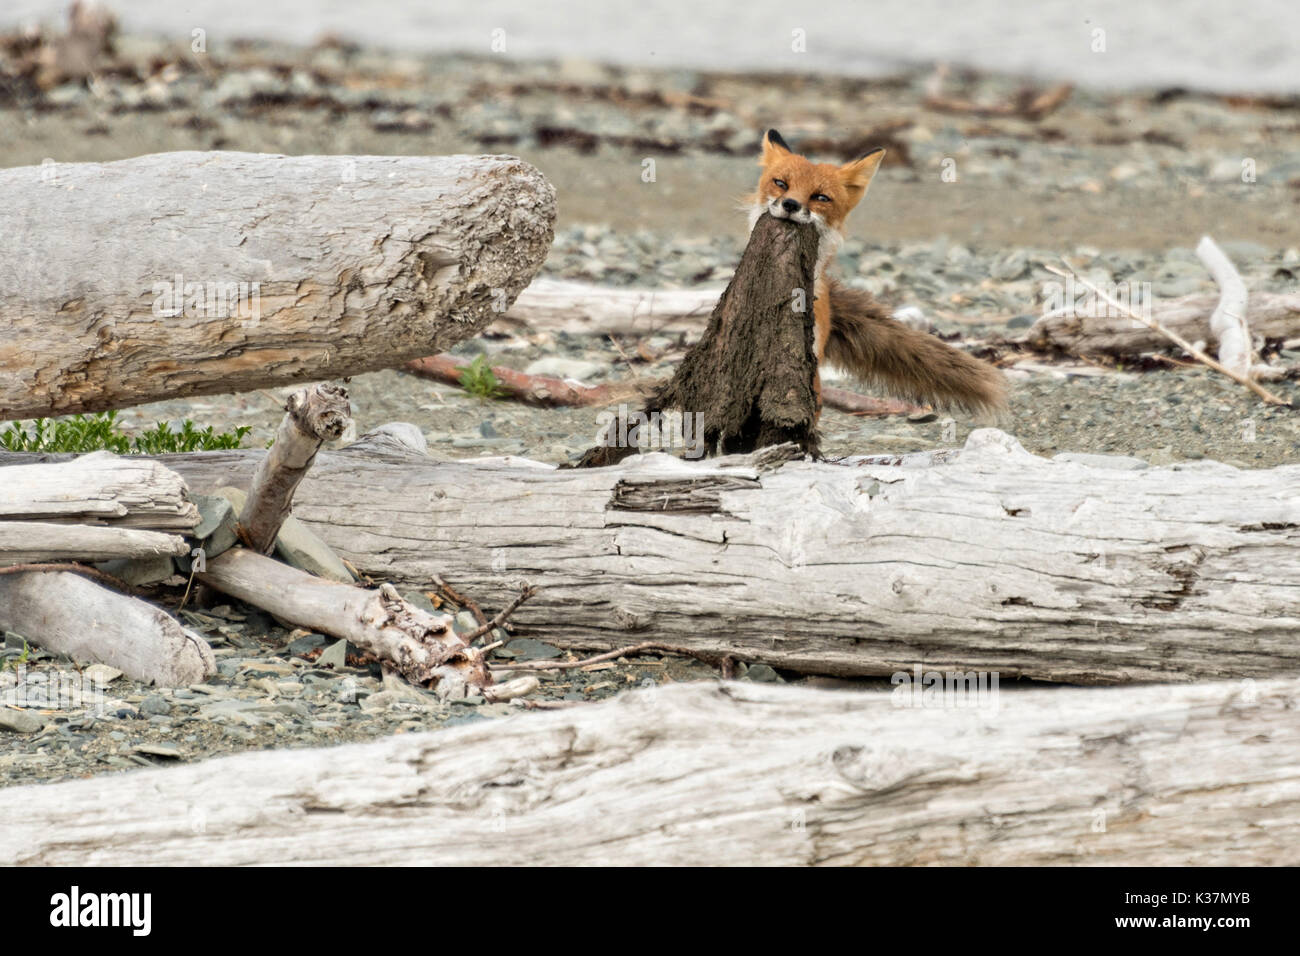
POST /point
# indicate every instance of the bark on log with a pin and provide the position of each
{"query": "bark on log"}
(423, 647)
(360, 263)
(728, 774)
(991, 558)
(22, 542)
(751, 380)
(99, 488)
(64, 613)
(312, 416)
(1271, 315)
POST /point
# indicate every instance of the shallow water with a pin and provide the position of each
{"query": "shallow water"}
(1198, 44)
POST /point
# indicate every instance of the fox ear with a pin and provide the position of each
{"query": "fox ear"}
(856, 176)
(773, 148)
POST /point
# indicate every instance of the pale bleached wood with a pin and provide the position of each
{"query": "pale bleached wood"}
(728, 774)
(583, 308)
(63, 612)
(312, 417)
(580, 308)
(1228, 321)
(22, 542)
(98, 488)
(990, 558)
(424, 648)
(1274, 315)
(363, 262)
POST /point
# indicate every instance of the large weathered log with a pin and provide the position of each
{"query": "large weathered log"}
(347, 264)
(64, 613)
(991, 558)
(728, 774)
(99, 488)
(1271, 315)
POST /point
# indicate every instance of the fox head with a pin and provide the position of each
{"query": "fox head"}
(793, 187)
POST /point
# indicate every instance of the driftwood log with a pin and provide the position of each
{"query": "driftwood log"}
(22, 542)
(422, 647)
(96, 507)
(735, 773)
(987, 557)
(99, 488)
(348, 264)
(1272, 315)
(581, 308)
(737, 397)
(67, 614)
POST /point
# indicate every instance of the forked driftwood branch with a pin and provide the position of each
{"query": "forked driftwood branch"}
(312, 417)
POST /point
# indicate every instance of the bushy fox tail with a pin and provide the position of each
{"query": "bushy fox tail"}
(868, 343)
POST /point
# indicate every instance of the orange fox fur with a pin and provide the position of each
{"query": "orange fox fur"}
(852, 330)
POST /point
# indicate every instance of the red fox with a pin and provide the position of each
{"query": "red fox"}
(853, 330)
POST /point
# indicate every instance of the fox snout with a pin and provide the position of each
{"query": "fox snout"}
(788, 208)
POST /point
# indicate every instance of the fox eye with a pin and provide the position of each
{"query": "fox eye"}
(780, 184)
(821, 197)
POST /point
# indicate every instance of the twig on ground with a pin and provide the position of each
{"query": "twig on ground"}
(528, 592)
(713, 660)
(460, 599)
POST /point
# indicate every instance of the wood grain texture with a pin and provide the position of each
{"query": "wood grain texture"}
(985, 558)
(362, 263)
(728, 774)
(99, 488)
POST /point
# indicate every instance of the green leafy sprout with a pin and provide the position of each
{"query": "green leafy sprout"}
(478, 379)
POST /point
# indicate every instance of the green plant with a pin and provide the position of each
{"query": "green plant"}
(478, 379)
(18, 661)
(84, 433)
